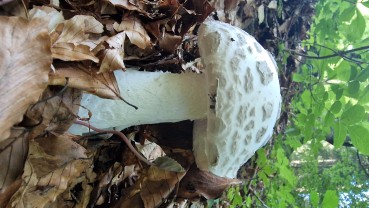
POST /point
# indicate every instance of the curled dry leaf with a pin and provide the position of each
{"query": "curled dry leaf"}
(13, 153)
(77, 29)
(158, 184)
(135, 31)
(150, 150)
(113, 56)
(72, 52)
(70, 39)
(115, 175)
(169, 43)
(202, 183)
(132, 5)
(54, 163)
(55, 112)
(25, 63)
(103, 85)
(48, 13)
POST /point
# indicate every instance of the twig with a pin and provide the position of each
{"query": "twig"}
(121, 135)
(361, 164)
(339, 53)
(261, 201)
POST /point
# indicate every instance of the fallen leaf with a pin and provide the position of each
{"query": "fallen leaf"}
(72, 52)
(53, 165)
(77, 29)
(150, 150)
(114, 176)
(135, 31)
(113, 56)
(103, 85)
(202, 183)
(25, 63)
(55, 112)
(13, 153)
(157, 185)
(132, 5)
(169, 43)
(71, 39)
(169, 164)
(53, 16)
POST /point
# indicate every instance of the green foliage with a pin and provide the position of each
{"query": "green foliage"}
(333, 102)
(330, 199)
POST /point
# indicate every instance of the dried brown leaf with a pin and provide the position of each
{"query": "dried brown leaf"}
(25, 63)
(103, 85)
(47, 13)
(112, 177)
(72, 52)
(55, 112)
(135, 31)
(113, 56)
(53, 164)
(132, 5)
(71, 39)
(76, 30)
(158, 185)
(13, 153)
(113, 60)
(169, 43)
(202, 183)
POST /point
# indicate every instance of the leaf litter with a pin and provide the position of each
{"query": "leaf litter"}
(68, 47)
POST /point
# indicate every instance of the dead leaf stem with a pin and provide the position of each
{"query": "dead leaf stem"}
(121, 135)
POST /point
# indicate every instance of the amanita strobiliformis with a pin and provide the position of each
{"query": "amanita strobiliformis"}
(235, 102)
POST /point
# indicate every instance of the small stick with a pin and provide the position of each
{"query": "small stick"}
(121, 135)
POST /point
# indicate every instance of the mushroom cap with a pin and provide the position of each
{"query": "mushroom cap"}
(244, 99)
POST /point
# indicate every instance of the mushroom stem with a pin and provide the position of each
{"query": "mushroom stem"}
(159, 96)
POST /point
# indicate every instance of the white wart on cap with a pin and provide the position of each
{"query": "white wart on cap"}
(244, 99)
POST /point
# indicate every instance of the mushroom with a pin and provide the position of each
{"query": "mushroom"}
(235, 102)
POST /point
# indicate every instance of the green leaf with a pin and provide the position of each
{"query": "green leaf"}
(336, 107)
(365, 4)
(340, 132)
(314, 198)
(298, 77)
(293, 131)
(329, 119)
(359, 24)
(347, 14)
(343, 71)
(287, 174)
(237, 199)
(353, 114)
(353, 88)
(364, 96)
(338, 90)
(169, 164)
(364, 75)
(306, 98)
(330, 199)
(360, 138)
(230, 193)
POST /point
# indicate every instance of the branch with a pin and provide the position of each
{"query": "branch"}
(261, 201)
(121, 135)
(361, 164)
(339, 53)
